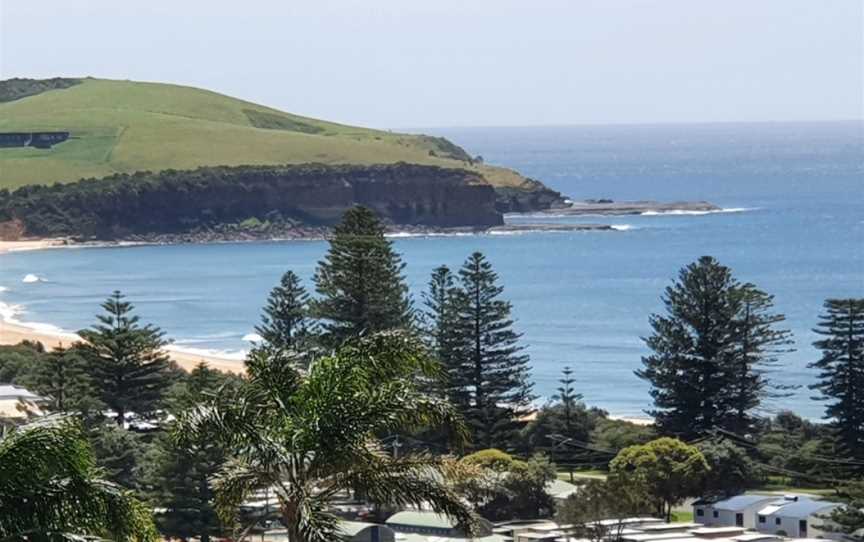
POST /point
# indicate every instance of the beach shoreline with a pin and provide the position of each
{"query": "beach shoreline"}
(13, 333)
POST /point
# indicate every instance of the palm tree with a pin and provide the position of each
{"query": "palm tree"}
(50, 488)
(308, 437)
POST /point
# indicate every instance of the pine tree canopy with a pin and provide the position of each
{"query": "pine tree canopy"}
(360, 281)
(493, 369)
(841, 371)
(711, 351)
(127, 361)
(285, 320)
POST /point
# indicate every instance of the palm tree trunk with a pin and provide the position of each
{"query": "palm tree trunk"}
(291, 521)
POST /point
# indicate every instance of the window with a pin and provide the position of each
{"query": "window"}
(776, 521)
(761, 519)
(716, 514)
(700, 512)
(802, 527)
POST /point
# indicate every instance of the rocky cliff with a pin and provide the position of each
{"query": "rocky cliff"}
(171, 201)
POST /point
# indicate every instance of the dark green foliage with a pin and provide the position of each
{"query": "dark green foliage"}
(209, 198)
(561, 435)
(841, 371)
(849, 519)
(710, 352)
(18, 361)
(272, 121)
(442, 328)
(17, 88)
(179, 487)
(50, 488)
(500, 487)
(315, 434)
(119, 453)
(732, 471)
(360, 282)
(801, 451)
(613, 435)
(493, 369)
(285, 322)
(127, 361)
(62, 376)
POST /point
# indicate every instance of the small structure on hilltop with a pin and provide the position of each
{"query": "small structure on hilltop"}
(40, 140)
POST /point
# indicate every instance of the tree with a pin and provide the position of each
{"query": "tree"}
(178, 476)
(666, 469)
(501, 487)
(849, 519)
(119, 453)
(62, 377)
(710, 352)
(731, 471)
(360, 282)
(591, 508)
(127, 361)
(841, 371)
(285, 322)
(50, 488)
(493, 371)
(310, 437)
(443, 332)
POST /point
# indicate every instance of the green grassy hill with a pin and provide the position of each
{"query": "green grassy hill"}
(125, 126)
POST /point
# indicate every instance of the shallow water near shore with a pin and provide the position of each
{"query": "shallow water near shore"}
(793, 225)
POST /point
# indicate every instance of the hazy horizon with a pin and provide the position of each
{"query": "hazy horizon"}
(397, 65)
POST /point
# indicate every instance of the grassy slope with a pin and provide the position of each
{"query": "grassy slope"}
(123, 126)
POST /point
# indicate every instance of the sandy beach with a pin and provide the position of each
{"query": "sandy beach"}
(14, 334)
(30, 244)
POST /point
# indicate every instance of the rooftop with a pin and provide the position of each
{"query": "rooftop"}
(739, 503)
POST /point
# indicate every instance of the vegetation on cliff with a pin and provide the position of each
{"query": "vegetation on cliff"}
(123, 206)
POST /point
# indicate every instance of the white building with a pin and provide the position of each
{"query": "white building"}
(18, 402)
(737, 511)
(795, 517)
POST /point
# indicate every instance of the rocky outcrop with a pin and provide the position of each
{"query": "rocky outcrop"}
(531, 197)
(125, 206)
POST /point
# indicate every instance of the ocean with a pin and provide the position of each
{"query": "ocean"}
(792, 223)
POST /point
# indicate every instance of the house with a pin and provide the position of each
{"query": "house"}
(559, 490)
(18, 402)
(794, 516)
(737, 511)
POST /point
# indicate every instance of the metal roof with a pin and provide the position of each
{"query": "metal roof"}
(740, 503)
(418, 518)
(804, 508)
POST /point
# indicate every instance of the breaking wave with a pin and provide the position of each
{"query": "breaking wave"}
(675, 212)
(30, 278)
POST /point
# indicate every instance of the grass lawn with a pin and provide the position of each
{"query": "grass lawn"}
(126, 126)
(682, 516)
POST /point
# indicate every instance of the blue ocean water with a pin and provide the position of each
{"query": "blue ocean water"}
(795, 227)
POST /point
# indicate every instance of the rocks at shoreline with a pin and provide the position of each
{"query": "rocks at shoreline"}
(609, 207)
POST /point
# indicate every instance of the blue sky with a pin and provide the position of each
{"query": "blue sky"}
(402, 63)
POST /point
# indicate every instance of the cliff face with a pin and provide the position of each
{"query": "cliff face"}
(180, 201)
(533, 196)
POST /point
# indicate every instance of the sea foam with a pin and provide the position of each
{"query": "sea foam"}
(682, 212)
(30, 278)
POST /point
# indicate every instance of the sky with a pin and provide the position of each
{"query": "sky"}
(415, 63)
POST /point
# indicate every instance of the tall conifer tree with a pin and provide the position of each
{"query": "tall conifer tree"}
(360, 282)
(126, 360)
(63, 377)
(494, 370)
(711, 352)
(442, 329)
(841, 371)
(285, 322)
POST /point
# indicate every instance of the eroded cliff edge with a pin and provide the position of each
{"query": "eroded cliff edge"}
(206, 199)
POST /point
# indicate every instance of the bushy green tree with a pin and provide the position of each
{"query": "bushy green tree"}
(442, 328)
(841, 371)
(848, 520)
(666, 469)
(731, 471)
(360, 281)
(62, 377)
(119, 453)
(710, 352)
(285, 322)
(494, 371)
(598, 509)
(127, 362)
